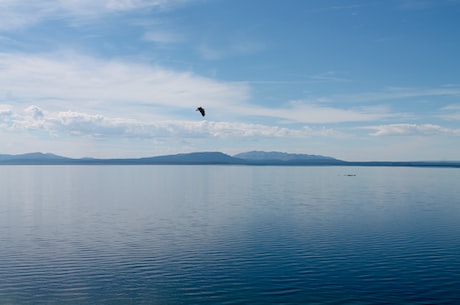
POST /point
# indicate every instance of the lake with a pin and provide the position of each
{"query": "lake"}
(229, 235)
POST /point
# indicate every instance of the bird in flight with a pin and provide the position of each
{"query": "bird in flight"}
(201, 110)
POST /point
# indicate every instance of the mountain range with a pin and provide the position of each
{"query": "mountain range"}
(209, 158)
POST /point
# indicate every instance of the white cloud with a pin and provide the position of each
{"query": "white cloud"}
(18, 13)
(396, 93)
(452, 112)
(163, 37)
(124, 5)
(64, 123)
(6, 116)
(6, 111)
(305, 112)
(329, 76)
(452, 116)
(411, 129)
(72, 81)
(37, 112)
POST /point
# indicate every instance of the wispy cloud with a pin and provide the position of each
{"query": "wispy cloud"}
(230, 49)
(411, 130)
(314, 113)
(329, 76)
(395, 93)
(163, 37)
(87, 82)
(424, 4)
(415, 4)
(17, 13)
(67, 80)
(451, 112)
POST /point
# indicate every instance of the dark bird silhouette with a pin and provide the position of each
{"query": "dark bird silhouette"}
(201, 110)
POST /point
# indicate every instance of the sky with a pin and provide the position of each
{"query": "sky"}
(355, 80)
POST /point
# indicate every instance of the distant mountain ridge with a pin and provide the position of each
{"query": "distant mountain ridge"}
(35, 156)
(280, 156)
(210, 158)
(193, 158)
(184, 158)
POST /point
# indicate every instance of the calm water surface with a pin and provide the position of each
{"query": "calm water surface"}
(229, 235)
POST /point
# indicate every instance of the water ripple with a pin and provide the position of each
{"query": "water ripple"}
(309, 238)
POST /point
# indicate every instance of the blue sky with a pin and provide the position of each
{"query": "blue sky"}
(355, 80)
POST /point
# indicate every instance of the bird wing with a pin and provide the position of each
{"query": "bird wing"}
(201, 110)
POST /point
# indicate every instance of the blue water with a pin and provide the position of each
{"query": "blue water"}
(229, 235)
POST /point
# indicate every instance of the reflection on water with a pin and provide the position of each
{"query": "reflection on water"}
(229, 235)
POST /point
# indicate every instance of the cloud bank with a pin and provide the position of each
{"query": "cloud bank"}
(412, 130)
(72, 123)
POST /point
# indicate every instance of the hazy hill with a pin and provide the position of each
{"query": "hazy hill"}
(192, 158)
(248, 158)
(187, 158)
(279, 156)
(32, 158)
